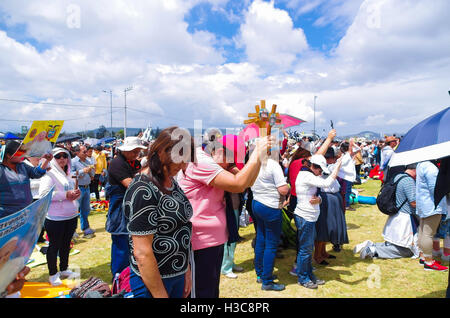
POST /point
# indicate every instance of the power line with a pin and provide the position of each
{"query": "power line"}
(69, 119)
(86, 117)
(157, 115)
(83, 106)
(175, 119)
(54, 104)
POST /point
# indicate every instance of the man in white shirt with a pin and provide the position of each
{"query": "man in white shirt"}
(387, 151)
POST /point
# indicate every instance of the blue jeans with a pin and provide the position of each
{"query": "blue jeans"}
(85, 207)
(306, 233)
(120, 253)
(348, 191)
(228, 253)
(268, 235)
(174, 286)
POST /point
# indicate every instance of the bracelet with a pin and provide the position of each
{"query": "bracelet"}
(39, 169)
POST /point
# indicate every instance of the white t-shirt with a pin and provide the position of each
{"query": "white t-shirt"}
(265, 188)
(34, 183)
(306, 186)
(347, 171)
(386, 154)
(335, 186)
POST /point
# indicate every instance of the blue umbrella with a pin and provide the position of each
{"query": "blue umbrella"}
(428, 140)
(105, 140)
(9, 136)
(68, 138)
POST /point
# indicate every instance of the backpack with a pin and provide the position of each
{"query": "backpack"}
(93, 287)
(121, 282)
(386, 198)
(288, 232)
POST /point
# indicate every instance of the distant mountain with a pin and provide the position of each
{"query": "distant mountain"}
(130, 131)
(370, 135)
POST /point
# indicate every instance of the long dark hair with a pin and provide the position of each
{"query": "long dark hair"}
(300, 153)
(11, 147)
(345, 146)
(159, 156)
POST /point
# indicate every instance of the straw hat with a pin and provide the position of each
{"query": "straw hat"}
(390, 139)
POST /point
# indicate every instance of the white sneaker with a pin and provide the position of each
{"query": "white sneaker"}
(55, 280)
(231, 275)
(69, 274)
(358, 248)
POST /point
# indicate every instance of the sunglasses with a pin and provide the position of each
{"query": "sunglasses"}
(61, 155)
(19, 153)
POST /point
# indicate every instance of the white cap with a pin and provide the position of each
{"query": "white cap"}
(320, 161)
(131, 143)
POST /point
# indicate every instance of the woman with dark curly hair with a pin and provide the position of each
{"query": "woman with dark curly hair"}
(158, 214)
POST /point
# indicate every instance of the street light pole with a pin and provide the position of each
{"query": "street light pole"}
(125, 122)
(314, 130)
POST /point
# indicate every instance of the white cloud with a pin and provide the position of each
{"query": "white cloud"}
(378, 78)
(269, 37)
(148, 30)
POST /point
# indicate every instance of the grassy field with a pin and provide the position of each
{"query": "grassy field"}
(346, 276)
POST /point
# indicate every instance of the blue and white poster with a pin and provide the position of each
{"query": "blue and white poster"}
(19, 233)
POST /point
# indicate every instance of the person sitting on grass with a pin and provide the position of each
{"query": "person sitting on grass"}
(400, 230)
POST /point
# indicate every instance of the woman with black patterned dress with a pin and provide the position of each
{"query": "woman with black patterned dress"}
(159, 226)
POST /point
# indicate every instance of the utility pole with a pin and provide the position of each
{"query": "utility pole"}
(125, 121)
(110, 101)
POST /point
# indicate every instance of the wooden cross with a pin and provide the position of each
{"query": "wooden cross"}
(261, 117)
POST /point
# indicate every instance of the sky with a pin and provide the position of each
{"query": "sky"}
(377, 65)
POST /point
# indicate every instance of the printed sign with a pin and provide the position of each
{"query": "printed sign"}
(19, 233)
(41, 138)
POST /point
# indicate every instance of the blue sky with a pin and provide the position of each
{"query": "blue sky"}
(372, 63)
(223, 23)
(205, 17)
(19, 33)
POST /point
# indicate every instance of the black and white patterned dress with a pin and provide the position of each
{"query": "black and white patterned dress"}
(167, 217)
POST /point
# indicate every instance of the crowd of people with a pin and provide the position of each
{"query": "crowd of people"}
(174, 223)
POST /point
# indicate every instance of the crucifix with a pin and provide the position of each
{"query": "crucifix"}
(262, 116)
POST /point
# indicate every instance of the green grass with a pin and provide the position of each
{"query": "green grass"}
(346, 276)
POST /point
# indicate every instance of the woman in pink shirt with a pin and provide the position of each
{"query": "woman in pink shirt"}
(205, 183)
